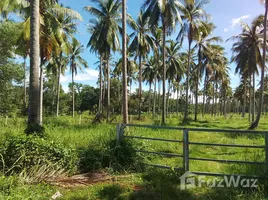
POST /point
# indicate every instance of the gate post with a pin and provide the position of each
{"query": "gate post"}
(186, 150)
(266, 151)
(119, 133)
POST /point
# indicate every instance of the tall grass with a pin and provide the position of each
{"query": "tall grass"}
(95, 148)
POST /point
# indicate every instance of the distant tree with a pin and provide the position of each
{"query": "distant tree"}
(194, 14)
(76, 63)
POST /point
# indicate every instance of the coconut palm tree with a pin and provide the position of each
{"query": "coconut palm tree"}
(256, 122)
(141, 44)
(124, 56)
(175, 68)
(23, 49)
(76, 62)
(166, 12)
(34, 105)
(105, 37)
(193, 21)
(149, 73)
(157, 38)
(64, 27)
(247, 52)
(203, 51)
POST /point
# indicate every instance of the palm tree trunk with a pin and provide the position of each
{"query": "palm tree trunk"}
(53, 93)
(150, 96)
(177, 102)
(168, 98)
(250, 100)
(33, 114)
(244, 100)
(159, 96)
(224, 105)
(216, 99)
(124, 41)
(104, 90)
(100, 97)
(73, 90)
(154, 97)
(196, 96)
(213, 102)
(119, 94)
(58, 92)
(24, 87)
(256, 122)
(41, 93)
(140, 85)
(108, 89)
(187, 80)
(204, 95)
(253, 94)
(164, 73)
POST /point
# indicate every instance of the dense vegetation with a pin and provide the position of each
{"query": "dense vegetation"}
(73, 132)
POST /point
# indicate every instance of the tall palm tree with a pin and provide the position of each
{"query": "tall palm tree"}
(149, 74)
(76, 62)
(175, 68)
(105, 37)
(203, 51)
(34, 106)
(63, 28)
(141, 44)
(167, 12)
(247, 52)
(124, 56)
(23, 49)
(193, 14)
(256, 122)
(157, 38)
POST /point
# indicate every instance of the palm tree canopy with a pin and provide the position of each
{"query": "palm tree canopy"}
(194, 18)
(164, 11)
(76, 61)
(142, 41)
(105, 29)
(247, 48)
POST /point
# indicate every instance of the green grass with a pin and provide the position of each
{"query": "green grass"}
(154, 183)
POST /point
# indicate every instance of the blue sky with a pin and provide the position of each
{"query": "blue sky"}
(225, 14)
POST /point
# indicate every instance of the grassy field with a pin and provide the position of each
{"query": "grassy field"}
(92, 142)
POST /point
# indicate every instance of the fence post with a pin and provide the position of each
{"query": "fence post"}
(119, 133)
(186, 150)
(266, 151)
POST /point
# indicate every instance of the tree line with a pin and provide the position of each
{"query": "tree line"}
(198, 76)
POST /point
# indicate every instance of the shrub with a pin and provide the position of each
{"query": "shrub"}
(106, 154)
(25, 152)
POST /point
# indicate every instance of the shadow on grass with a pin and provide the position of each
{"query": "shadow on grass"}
(157, 184)
(115, 191)
(160, 184)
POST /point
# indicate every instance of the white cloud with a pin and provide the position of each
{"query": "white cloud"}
(236, 21)
(87, 75)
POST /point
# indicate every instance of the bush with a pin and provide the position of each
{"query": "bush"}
(25, 152)
(106, 154)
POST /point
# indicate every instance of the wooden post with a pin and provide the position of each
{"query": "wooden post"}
(186, 150)
(266, 151)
